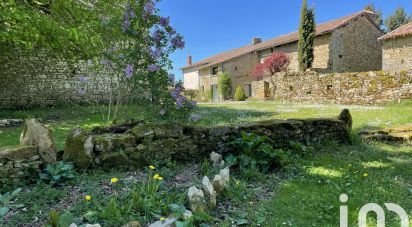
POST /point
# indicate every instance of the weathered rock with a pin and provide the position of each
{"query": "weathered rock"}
(196, 199)
(218, 184)
(79, 148)
(224, 173)
(400, 135)
(216, 159)
(187, 214)
(169, 222)
(346, 117)
(132, 224)
(10, 123)
(18, 153)
(113, 142)
(209, 192)
(36, 134)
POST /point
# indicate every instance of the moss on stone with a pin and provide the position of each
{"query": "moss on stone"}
(79, 148)
(18, 153)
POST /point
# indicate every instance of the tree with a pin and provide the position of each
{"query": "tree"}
(277, 62)
(225, 85)
(240, 94)
(371, 7)
(307, 30)
(397, 19)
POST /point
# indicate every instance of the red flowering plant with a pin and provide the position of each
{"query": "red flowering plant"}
(275, 63)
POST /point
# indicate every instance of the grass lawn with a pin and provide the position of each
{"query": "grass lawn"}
(305, 193)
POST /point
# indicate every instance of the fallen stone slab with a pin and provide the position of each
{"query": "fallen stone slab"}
(6, 123)
(399, 135)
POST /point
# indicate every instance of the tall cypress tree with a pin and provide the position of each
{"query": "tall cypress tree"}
(307, 29)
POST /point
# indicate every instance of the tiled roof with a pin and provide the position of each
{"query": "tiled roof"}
(321, 29)
(401, 31)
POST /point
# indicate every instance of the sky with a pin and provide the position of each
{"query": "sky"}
(214, 26)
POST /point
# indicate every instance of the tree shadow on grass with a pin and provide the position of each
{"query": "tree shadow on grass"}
(367, 173)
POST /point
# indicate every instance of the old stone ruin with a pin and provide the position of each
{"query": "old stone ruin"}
(36, 148)
(135, 144)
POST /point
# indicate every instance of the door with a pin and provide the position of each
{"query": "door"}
(215, 93)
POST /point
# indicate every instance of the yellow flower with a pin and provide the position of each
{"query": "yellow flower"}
(88, 197)
(162, 219)
(114, 180)
(152, 167)
(160, 178)
(365, 174)
(156, 176)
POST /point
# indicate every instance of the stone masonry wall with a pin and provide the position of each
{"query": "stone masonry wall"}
(343, 88)
(355, 47)
(38, 80)
(139, 144)
(397, 54)
(18, 162)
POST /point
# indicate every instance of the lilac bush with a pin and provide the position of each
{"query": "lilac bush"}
(139, 46)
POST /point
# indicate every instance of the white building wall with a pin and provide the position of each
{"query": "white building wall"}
(191, 79)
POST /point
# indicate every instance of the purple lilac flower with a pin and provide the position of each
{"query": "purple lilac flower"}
(82, 79)
(126, 24)
(82, 91)
(172, 31)
(180, 101)
(162, 112)
(149, 7)
(157, 35)
(156, 53)
(192, 104)
(195, 117)
(129, 71)
(178, 42)
(153, 68)
(164, 21)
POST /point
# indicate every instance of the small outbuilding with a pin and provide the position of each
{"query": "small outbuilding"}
(397, 50)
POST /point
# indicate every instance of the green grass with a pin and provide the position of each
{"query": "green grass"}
(306, 193)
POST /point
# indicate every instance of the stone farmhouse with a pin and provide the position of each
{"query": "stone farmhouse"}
(347, 44)
(397, 49)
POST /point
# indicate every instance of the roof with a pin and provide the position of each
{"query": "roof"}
(401, 31)
(321, 29)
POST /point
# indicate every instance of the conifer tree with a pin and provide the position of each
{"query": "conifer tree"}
(307, 30)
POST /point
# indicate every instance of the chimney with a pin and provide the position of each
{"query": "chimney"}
(189, 60)
(256, 40)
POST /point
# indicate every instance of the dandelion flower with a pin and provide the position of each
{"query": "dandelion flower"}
(152, 167)
(160, 178)
(114, 180)
(156, 176)
(162, 219)
(365, 174)
(88, 197)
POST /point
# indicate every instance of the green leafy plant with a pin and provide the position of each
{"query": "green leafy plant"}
(225, 85)
(240, 94)
(253, 151)
(60, 220)
(7, 202)
(57, 173)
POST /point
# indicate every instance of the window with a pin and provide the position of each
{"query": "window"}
(235, 67)
(215, 70)
(248, 89)
(340, 56)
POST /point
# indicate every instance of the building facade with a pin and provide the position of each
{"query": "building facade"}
(397, 50)
(348, 44)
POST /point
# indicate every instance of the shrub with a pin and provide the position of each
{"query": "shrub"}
(191, 94)
(240, 94)
(255, 152)
(277, 62)
(225, 85)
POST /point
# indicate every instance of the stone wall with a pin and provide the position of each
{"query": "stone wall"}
(136, 145)
(343, 88)
(39, 80)
(397, 54)
(355, 47)
(18, 162)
